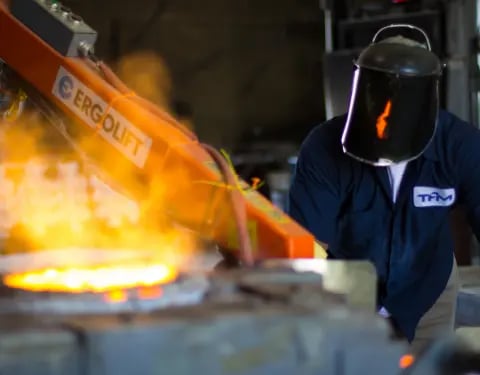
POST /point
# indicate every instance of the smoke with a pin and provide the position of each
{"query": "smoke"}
(55, 197)
(147, 74)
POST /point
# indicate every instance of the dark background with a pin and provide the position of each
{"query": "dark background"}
(255, 76)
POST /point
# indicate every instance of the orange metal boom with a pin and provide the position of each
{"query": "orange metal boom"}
(124, 138)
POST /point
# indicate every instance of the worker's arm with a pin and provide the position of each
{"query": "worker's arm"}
(466, 163)
(314, 194)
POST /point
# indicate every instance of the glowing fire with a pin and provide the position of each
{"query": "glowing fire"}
(76, 208)
(98, 279)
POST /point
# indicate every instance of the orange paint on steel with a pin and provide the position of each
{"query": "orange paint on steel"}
(201, 206)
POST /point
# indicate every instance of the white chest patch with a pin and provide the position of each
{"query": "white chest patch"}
(427, 196)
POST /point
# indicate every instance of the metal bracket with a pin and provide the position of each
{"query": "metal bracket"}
(55, 24)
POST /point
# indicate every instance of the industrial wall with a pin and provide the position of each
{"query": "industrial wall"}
(242, 66)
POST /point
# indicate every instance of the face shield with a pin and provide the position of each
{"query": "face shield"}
(394, 102)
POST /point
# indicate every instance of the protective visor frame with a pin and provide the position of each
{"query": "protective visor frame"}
(376, 39)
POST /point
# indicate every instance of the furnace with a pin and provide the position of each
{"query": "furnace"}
(309, 317)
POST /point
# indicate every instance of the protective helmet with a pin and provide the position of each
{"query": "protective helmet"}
(394, 101)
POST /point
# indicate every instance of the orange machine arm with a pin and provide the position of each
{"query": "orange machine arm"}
(125, 138)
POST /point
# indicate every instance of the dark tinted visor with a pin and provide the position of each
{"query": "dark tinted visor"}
(392, 118)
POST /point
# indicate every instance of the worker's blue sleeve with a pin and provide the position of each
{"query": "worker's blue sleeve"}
(314, 192)
(466, 143)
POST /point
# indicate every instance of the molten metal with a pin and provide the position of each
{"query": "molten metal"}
(98, 279)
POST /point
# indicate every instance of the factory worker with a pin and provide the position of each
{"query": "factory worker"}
(378, 183)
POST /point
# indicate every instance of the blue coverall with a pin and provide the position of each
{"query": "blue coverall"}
(348, 205)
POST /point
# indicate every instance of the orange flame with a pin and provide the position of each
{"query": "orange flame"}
(382, 122)
(406, 361)
(115, 296)
(57, 212)
(99, 279)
